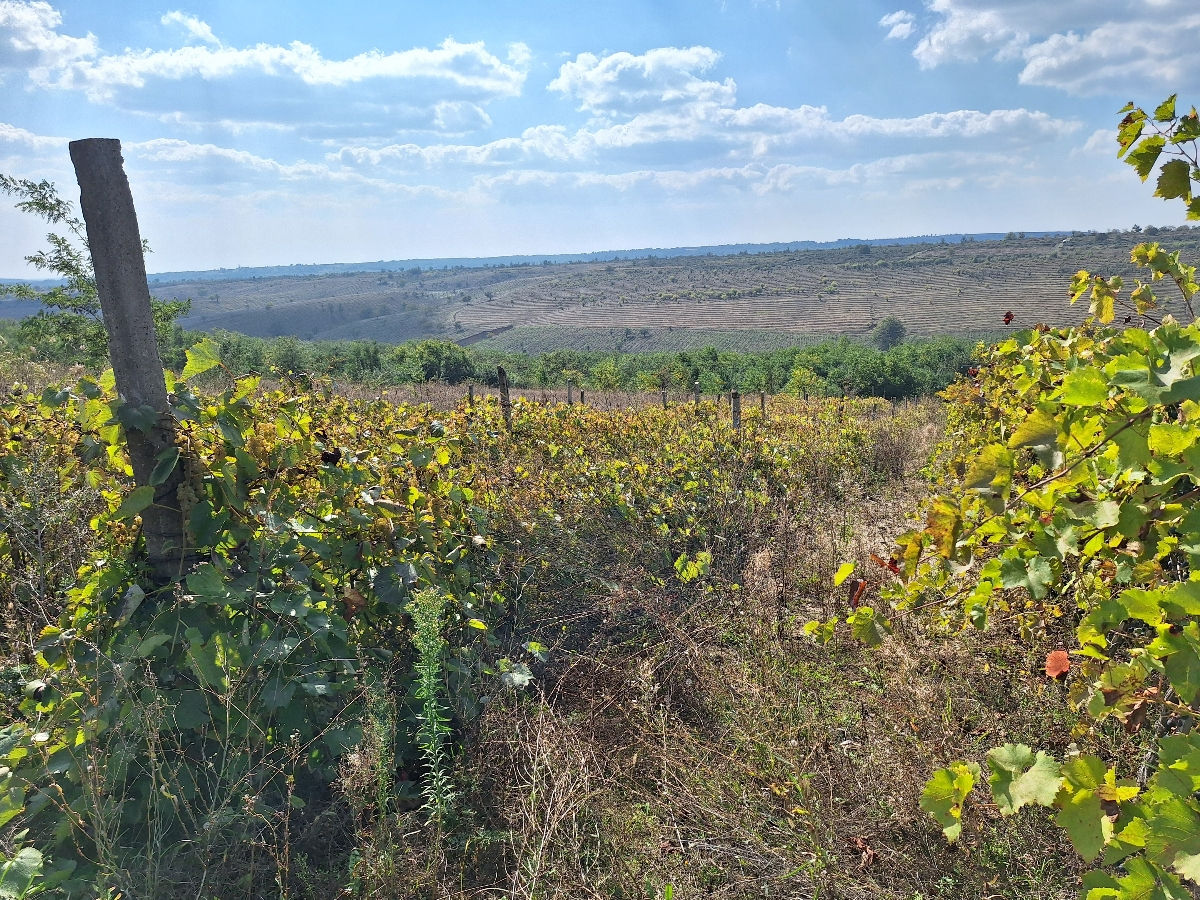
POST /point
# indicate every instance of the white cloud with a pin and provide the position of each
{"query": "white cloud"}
(1080, 46)
(442, 88)
(191, 26)
(1117, 56)
(464, 69)
(23, 139)
(29, 39)
(626, 83)
(900, 24)
(704, 135)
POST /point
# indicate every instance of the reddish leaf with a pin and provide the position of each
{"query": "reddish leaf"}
(858, 587)
(1008, 317)
(1057, 664)
(889, 564)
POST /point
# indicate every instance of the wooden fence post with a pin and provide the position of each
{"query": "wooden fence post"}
(120, 268)
(762, 404)
(664, 399)
(735, 401)
(505, 402)
(695, 393)
(570, 393)
(582, 399)
(471, 394)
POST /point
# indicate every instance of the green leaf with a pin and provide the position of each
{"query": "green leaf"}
(201, 357)
(164, 465)
(1039, 429)
(1174, 837)
(1019, 777)
(1084, 387)
(1165, 111)
(1083, 819)
(1081, 814)
(207, 585)
(845, 570)
(1035, 575)
(1179, 764)
(12, 802)
(19, 872)
(135, 501)
(866, 626)
(142, 418)
(945, 793)
(1145, 155)
(991, 471)
(1179, 649)
(150, 644)
(1174, 181)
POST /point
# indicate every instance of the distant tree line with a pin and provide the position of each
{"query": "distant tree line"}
(893, 366)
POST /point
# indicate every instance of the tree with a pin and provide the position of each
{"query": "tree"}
(70, 327)
(889, 333)
(434, 360)
(805, 383)
(606, 374)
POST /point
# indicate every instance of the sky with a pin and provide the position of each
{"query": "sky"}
(270, 132)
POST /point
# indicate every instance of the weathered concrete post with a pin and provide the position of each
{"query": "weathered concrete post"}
(116, 248)
(664, 399)
(570, 393)
(762, 404)
(695, 393)
(470, 394)
(735, 402)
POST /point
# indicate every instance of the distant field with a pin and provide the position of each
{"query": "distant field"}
(745, 301)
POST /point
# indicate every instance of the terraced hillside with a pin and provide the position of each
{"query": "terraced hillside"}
(674, 303)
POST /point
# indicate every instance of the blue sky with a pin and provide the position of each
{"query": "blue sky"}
(280, 132)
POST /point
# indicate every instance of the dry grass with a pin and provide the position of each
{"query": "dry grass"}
(695, 739)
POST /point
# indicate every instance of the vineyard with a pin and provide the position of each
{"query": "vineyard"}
(470, 647)
(413, 644)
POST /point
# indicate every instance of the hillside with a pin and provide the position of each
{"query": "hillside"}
(741, 301)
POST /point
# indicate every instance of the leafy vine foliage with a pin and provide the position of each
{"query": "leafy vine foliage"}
(316, 522)
(1074, 471)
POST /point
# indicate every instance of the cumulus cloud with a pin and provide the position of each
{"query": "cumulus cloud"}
(627, 83)
(30, 40)
(1079, 46)
(442, 88)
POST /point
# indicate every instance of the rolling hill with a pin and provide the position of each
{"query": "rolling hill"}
(740, 301)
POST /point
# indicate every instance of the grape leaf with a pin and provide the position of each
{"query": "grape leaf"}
(135, 502)
(1084, 387)
(201, 356)
(1085, 823)
(1174, 181)
(1174, 837)
(1145, 155)
(18, 872)
(1058, 663)
(1179, 764)
(944, 795)
(1019, 777)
